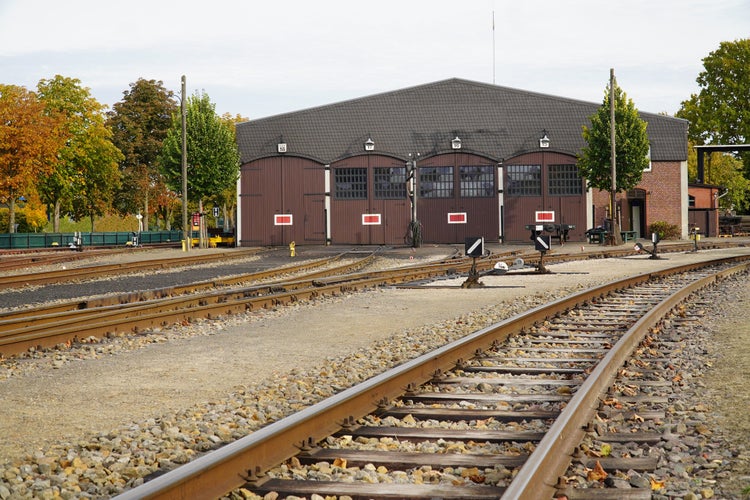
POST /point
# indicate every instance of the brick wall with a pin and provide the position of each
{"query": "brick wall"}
(663, 196)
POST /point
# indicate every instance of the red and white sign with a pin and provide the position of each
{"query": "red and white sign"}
(548, 216)
(282, 219)
(371, 219)
(456, 217)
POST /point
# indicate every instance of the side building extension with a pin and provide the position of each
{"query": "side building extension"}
(479, 159)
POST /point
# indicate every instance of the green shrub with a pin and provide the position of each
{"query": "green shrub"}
(665, 230)
(29, 220)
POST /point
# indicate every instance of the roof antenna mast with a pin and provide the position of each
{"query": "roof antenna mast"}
(493, 47)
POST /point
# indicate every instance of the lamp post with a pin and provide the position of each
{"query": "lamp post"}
(187, 230)
(414, 232)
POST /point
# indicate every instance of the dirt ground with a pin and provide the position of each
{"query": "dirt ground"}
(727, 381)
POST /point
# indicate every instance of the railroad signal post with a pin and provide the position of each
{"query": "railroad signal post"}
(542, 242)
(474, 247)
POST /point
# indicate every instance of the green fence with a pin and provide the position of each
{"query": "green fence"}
(51, 240)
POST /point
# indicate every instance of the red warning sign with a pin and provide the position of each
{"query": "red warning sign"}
(545, 216)
(371, 219)
(282, 219)
(456, 217)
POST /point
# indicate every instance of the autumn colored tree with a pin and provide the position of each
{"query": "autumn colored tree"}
(30, 139)
(86, 173)
(631, 149)
(139, 123)
(212, 156)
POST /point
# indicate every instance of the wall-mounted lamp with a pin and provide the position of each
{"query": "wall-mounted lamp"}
(369, 144)
(281, 146)
(456, 143)
(544, 140)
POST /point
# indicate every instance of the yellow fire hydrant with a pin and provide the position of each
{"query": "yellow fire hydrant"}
(292, 252)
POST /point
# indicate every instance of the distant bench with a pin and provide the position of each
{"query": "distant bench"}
(600, 235)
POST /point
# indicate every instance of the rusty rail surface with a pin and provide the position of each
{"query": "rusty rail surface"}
(539, 475)
(50, 324)
(68, 322)
(89, 272)
(231, 466)
(18, 261)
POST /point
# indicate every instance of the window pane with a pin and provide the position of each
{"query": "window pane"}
(436, 182)
(477, 181)
(350, 183)
(390, 183)
(564, 180)
(524, 180)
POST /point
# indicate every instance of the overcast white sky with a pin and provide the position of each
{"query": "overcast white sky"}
(264, 58)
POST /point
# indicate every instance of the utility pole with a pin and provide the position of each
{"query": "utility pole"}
(186, 228)
(614, 226)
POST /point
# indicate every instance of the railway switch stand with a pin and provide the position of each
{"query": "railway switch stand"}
(655, 240)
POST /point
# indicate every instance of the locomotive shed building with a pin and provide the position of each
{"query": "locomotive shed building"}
(488, 158)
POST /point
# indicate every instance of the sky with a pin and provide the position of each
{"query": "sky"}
(259, 59)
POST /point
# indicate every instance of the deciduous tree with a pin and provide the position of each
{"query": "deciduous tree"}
(720, 112)
(85, 176)
(212, 156)
(30, 139)
(631, 148)
(139, 124)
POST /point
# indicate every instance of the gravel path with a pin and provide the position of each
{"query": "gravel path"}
(50, 403)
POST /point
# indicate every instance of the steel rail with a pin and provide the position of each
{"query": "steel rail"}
(119, 299)
(45, 259)
(86, 272)
(221, 471)
(19, 332)
(539, 475)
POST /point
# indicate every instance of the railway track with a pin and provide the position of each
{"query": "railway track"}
(29, 258)
(12, 261)
(71, 321)
(102, 270)
(517, 396)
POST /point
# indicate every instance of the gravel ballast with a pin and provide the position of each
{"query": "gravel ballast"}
(159, 399)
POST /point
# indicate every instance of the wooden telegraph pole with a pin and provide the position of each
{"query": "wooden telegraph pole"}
(187, 228)
(615, 227)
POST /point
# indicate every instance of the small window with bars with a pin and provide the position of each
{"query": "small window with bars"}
(477, 181)
(390, 183)
(350, 183)
(436, 182)
(564, 180)
(524, 180)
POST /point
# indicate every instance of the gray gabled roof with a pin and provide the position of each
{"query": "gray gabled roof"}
(498, 122)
